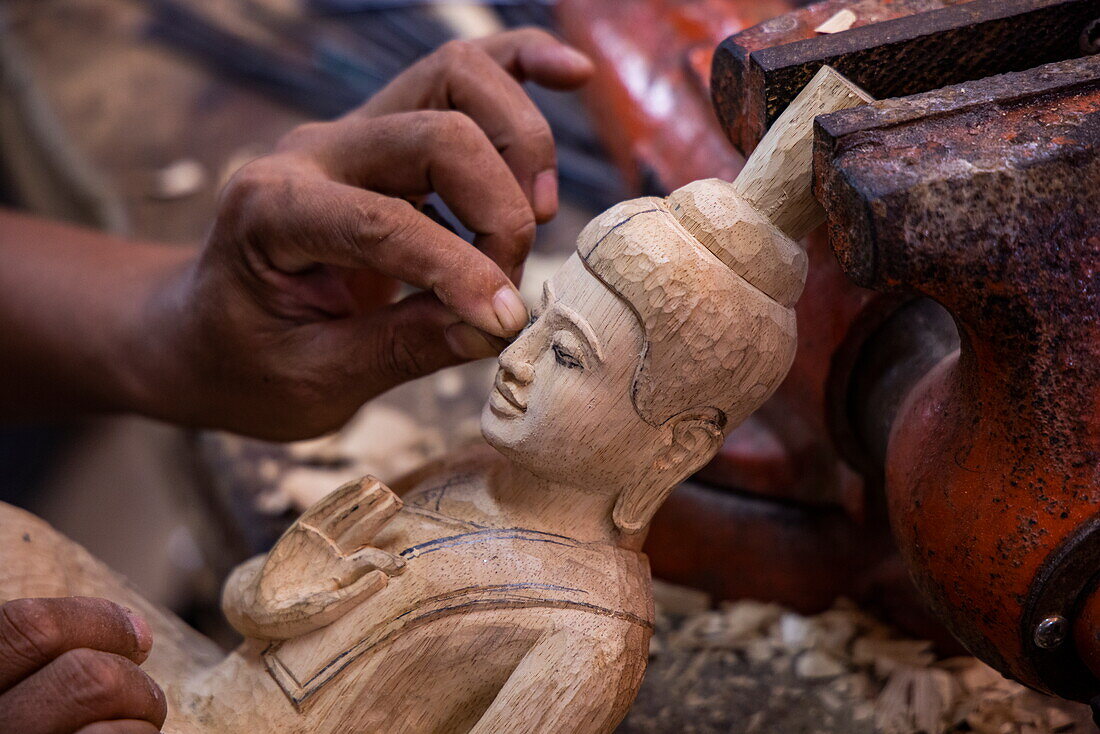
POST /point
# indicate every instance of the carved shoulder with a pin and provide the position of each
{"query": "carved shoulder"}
(468, 469)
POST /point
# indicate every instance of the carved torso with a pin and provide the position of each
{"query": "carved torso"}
(476, 597)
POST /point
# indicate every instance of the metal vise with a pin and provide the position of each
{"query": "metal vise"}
(963, 367)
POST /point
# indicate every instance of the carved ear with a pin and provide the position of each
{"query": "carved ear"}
(695, 437)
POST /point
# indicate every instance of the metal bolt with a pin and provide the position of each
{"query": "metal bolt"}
(1051, 632)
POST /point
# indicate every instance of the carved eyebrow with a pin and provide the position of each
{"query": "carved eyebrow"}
(579, 324)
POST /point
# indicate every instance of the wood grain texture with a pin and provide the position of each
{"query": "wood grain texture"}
(505, 591)
(778, 182)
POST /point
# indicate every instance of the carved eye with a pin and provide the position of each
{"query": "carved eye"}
(565, 359)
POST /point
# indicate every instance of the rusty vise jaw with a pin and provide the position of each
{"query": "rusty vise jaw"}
(977, 192)
(982, 197)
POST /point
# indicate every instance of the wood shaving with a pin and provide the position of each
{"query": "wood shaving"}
(756, 667)
(178, 180)
(838, 23)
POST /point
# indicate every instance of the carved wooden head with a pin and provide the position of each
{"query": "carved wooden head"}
(668, 327)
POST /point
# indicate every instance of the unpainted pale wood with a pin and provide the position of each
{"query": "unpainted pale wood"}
(326, 559)
(777, 177)
(506, 591)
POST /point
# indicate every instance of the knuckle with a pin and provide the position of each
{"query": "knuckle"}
(303, 136)
(253, 189)
(383, 220)
(391, 357)
(528, 135)
(525, 233)
(535, 132)
(247, 184)
(456, 53)
(452, 128)
(30, 629)
(399, 360)
(521, 227)
(533, 34)
(93, 679)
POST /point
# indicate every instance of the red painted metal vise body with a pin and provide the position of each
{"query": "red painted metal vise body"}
(948, 377)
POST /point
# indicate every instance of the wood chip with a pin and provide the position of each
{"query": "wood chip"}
(749, 619)
(679, 600)
(842, 21)
(768, 669)
(760, 651)
(814, 664)
(912, 701)
(795, 632)
(180, 179)
(889, 655)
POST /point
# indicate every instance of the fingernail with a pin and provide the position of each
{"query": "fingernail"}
(142, 633)
(469, 343)
(546, 195)
(509, 309)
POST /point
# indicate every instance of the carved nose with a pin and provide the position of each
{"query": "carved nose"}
(516, 368)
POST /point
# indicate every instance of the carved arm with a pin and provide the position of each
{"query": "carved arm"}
(570, 681)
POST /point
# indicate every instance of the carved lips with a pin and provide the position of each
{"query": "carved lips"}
(503, 400)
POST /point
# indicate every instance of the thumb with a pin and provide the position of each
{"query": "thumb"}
(406, 340)
(376, 559)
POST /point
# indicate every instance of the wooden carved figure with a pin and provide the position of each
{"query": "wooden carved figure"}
(506, 592)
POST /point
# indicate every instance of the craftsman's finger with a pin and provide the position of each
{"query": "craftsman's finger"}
(35, 631)
(394, 344)
(120, 726)
(477, 86)
(416, 153)
(473, 77)
(527, 54)
(79, 688)
(532, 54)
(298, 221)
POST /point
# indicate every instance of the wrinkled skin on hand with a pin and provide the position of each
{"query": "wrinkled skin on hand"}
(286, 323)
(71, 665)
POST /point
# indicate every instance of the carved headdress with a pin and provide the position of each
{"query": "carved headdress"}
(713, 283)
(713, 271)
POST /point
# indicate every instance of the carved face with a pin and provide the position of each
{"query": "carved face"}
(561, 404)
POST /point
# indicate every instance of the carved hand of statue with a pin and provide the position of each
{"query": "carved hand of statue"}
(321, 567)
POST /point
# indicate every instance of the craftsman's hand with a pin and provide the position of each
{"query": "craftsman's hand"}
(322, 566)
(290, 318)
(71, 665)
(285, 324)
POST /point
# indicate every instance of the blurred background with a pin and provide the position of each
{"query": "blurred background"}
(129, 116)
